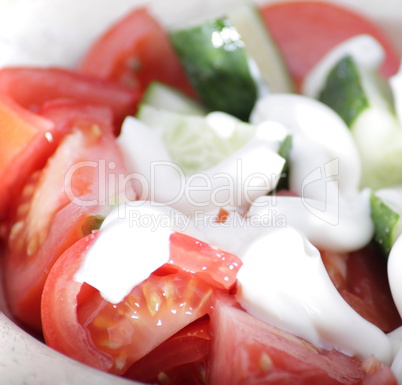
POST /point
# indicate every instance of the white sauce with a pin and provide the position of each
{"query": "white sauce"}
(396, 86)
(251, 172)
(133, 242)
(394, 273)
(396, 366)
(321, 140)
(325, 172)
(339, 225)
(232, 235)
(394, 278)
(392, 197)
(284, 282)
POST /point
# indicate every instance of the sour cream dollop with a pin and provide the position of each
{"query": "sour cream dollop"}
(133, 242)
(284, 282)
(238, 180)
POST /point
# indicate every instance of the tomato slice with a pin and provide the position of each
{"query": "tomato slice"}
(307, 30)
(246, 350)
(123, 333)
(216, 267)
(61, 328)
(134, 52)
(32, 87)
(19, 127)
(26, 141)
(46, 223)
(361, 279)
(181, 359)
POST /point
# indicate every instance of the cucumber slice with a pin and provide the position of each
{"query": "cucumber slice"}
(218, 66)
(386, 212)
(284, 151)
(197, 143)
(347, 80)
(345, 77)
(262, 48)
(164, 97)
(378, 135)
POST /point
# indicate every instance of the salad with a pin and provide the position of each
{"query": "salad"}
(213, 201)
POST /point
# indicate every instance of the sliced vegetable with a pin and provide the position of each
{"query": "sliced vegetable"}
(154, 311)
(197, 143)
(181, 359)
(386, 211)
(344, 80)
(368, 281)
(261, 47)
(361, 279)
(26, 141)
(164, 97)
(46, 222)
(246, 350)
(284, 151)
(123, 333)
(33, 87)
(217, 267)
(218, 66)
(136, 51)
(347, 80)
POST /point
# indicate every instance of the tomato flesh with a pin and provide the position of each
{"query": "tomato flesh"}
(181, 359)
(216, 267)
(361, 279)
(154, 311)
(45, 222)
(26, 141)
(33, 87)
(246, 350)
(134, 52)
(61, 328)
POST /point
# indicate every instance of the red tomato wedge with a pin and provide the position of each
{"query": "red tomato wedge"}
(181, 359)
(134, 52)
(361, 279)
(248, 351)
(307, 30)
(32, 87)
(81, 324)
(46, 223)
(26, 141)
(216, 267)
(18, 129)
(60, 299)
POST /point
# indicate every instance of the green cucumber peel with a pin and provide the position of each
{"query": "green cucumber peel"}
(353, 100)
(387, 223)
(217, 65)
(284, 151)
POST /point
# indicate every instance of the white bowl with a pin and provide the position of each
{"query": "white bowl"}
(57, 32)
